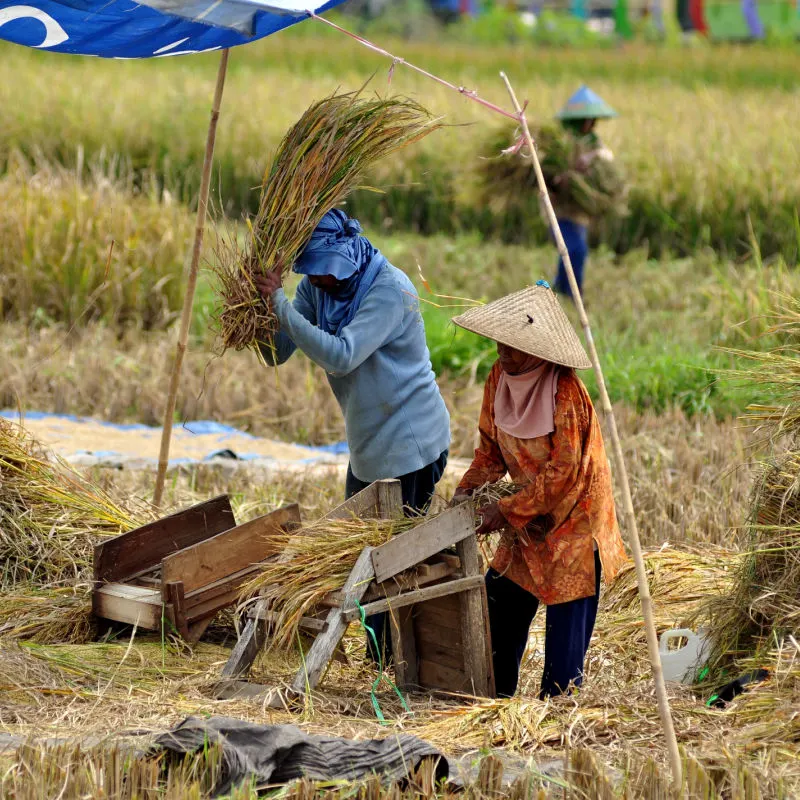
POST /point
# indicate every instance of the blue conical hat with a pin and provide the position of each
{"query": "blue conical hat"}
(585, 104)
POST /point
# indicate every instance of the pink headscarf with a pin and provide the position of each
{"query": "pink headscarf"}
(524, 405)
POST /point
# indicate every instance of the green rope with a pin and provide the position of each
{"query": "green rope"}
(381, 674)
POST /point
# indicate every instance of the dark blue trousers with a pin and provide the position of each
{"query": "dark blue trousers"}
(568, 630)
(576, 238)
(417, 489)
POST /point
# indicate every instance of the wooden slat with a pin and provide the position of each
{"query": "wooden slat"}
(321, 652)
(351, 613)
(380, 500)
(308, 623)
(136, 551)
(410, 548)
(473, 620)
(228, 552)
(411, 579)
(404, 648)
(447, 653)
(437, 676)
(175, 597)
(135, 605)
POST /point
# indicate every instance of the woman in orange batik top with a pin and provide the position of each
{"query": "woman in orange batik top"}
(560, 529)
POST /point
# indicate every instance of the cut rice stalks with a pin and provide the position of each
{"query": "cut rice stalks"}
(322, 158)
(316, 561)
(50, 516)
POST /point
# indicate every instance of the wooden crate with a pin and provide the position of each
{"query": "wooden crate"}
(425, 588)
(185, 567)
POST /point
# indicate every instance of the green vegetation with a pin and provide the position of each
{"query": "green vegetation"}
(706, 135)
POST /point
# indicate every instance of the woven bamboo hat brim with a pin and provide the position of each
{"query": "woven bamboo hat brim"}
(532, 321)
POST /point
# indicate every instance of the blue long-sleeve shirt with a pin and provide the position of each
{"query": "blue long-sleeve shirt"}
(380, 371)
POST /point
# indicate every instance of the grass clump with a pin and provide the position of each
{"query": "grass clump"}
(322, 158)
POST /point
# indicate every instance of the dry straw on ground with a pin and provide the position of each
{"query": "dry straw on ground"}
(322, 158)
(50, 516)
(316, 561)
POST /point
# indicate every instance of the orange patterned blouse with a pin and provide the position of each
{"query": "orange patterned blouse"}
(566, 505)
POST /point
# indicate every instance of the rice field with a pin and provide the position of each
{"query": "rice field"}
(99, 165)
(704, 146)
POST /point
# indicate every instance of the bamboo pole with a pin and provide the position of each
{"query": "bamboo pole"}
(627, 500)
(191, 283)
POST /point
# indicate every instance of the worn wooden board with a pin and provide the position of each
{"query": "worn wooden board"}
(412, 579)
(404, 648)
(139, 550)
(380, 500)
(474, 621)
(438, 676)
(136, 605)
(425, 540)
(321, 652)
(351, 613)
(229, 552)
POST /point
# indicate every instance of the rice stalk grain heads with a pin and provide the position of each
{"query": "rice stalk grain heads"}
(322, 158)
(50, 515)
(316, 561)
(764, 604)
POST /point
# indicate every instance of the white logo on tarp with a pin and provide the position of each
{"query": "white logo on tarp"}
(54, 33)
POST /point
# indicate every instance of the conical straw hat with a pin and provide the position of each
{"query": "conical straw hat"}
(532, 321)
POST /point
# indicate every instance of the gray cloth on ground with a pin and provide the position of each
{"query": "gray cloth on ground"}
(276, 754)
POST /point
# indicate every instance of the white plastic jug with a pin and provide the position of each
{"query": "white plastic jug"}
(680, 666)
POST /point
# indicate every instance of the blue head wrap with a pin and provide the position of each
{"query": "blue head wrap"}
(337, 248)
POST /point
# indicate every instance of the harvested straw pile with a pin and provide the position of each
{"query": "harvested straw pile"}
(595, 187)
(322, 158)
(316, 561)
(50, 515)
(763, 606)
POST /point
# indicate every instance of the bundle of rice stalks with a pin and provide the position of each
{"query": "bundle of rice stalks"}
(320, 160)
(48, 616)
(50, 516)
(316, 561)
(593, 185)
(764, 603)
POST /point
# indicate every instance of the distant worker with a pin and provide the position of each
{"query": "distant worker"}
(589, 187)
(357, 316)
(559, 530)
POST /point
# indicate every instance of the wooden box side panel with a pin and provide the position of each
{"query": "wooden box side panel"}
(136, 551)
(439, 645)
(229, 552)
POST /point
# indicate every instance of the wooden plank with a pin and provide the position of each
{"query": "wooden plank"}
(135, 605)
(410, 548)
(351, 613)
(321, 652)
(441, 653)
(404, 648)
(175, 599)
(246, 648)
(473, 620)
(309, 623)
(142, 549)
(228, 552)
(197, 629)
(411, 579)
(380, 500)
(437, 676)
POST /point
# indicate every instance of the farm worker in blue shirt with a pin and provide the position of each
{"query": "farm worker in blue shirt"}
(358, 317)
(579, 116)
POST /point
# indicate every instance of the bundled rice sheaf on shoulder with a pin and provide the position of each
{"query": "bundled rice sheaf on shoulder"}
(593, 183)
(322, 158)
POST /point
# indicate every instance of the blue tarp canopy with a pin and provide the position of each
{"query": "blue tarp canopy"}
(160, 28)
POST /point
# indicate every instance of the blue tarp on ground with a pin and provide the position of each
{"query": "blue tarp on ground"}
(199, 427)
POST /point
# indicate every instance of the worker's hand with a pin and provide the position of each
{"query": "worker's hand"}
(461, 496)
(492, 519)
(269, 283)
